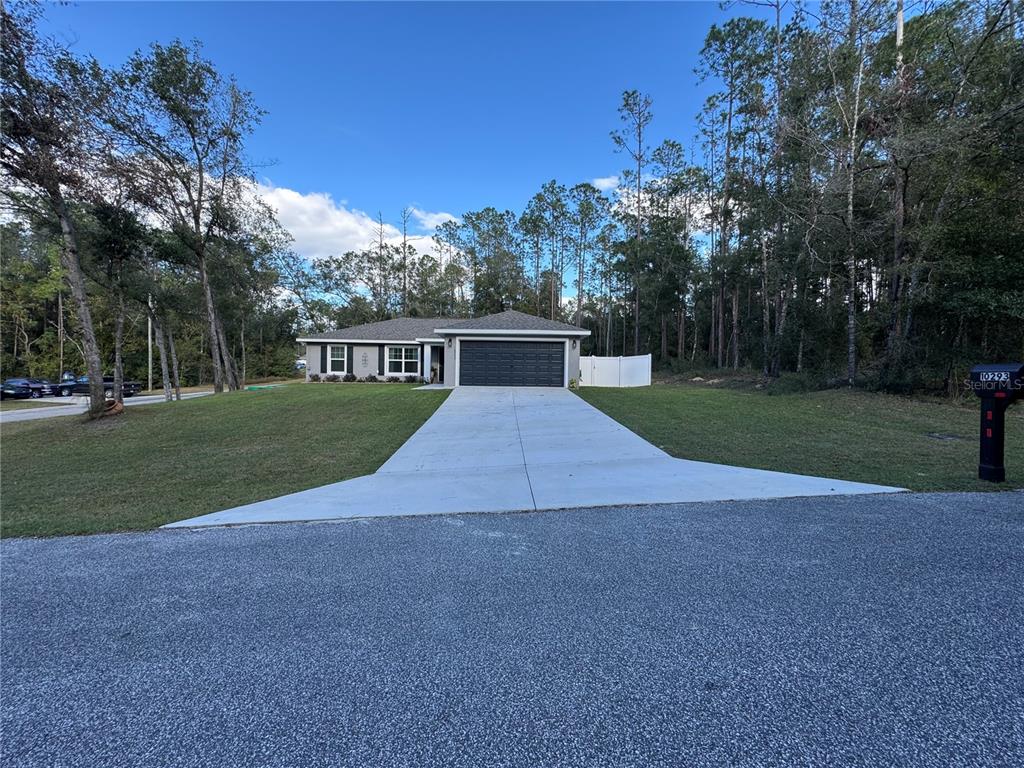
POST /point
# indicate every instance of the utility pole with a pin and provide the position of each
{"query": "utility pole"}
(149, 339)
(406, 213)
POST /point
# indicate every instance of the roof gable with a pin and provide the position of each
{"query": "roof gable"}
(412, 328)
(398, 329)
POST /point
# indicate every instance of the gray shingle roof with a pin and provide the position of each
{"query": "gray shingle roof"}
(410, 328)
(510, 320)
(399, 329)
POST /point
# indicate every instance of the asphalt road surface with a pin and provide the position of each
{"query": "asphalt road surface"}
(870, 630)
(75, 406)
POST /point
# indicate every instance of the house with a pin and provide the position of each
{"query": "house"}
(505, 349)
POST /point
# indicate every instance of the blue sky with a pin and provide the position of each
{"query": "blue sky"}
(446, 106)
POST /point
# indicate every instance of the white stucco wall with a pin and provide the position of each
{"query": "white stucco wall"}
(312, 359)
(365, 360)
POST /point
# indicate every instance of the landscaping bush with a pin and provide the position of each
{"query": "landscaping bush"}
(314, 377)
(794, 383)
(411, 379)
(392, 379)
(332, 377)
(349, 377)
(370, 379)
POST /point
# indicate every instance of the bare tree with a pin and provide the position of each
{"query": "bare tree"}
(636, 115)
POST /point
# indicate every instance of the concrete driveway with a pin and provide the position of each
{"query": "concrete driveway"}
(501, 449)
(75, 406)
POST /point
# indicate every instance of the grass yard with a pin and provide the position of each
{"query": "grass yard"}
(163, 462)
(849, 435)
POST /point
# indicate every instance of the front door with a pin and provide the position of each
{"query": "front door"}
(434, 363)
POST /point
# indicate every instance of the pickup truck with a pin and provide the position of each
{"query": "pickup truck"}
(80, 386)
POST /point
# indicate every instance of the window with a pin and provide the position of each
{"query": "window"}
(336, 359)
(403, 359)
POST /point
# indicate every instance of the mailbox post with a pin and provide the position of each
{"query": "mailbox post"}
(998, 386)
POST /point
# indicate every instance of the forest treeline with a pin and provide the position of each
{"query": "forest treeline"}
(856, 213)
(847, 206)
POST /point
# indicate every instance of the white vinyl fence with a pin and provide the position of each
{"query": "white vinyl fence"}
(615, 371)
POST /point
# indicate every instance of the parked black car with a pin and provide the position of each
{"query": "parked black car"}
(15, 388)
(80, 386)
(42, 387)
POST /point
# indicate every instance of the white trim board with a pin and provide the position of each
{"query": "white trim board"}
(451, 332)
(397, 342)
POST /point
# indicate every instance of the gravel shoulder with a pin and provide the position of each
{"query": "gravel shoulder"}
(867, 630)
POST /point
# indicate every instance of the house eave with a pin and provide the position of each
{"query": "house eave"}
(508, 332)
(394, 342)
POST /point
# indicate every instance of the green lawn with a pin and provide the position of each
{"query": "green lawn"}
(849, 435)
(164, 462)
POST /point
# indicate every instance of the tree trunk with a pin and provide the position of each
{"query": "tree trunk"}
(174, 363)
(681, 332)
(579, 283)
(664, 337)
(244, 372)
(76, 284)
(696, 333)
(894, 348)
(118, 348)
(211, 319)
(735, 327)
(608, 324)
(851, 253)
(551, 281)
(625, 314)
(161, 345)
(720, 341)
(723, 238)
(636, 319)
(639, 238)
(766, 331)
(711, 325)
(536, 273)
(230, 372)
(851, 309)
(60, 335)
(781, 313)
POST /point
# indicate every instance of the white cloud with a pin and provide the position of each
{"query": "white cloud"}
(322, 226)
(605, 183)
(319, 225)
(431, 220)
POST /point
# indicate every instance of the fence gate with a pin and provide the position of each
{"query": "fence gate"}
(632, 371)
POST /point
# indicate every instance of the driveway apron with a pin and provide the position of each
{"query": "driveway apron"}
(504, 449)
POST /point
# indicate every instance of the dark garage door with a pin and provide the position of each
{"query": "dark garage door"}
(512, 363)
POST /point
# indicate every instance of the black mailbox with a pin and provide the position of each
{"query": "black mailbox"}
(998, 385)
